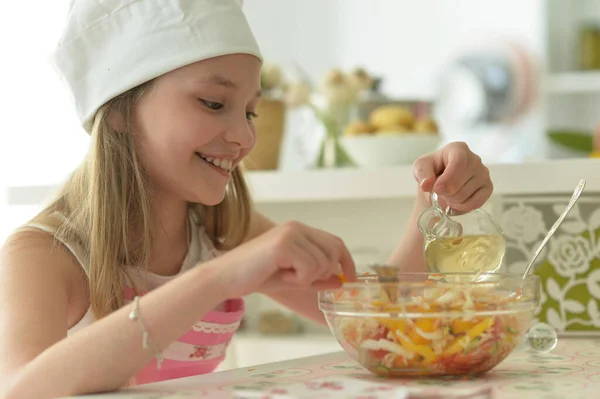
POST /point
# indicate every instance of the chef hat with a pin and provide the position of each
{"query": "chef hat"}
(111, 46)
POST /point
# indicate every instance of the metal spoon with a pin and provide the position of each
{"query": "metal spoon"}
(387, 274)
(572, 201)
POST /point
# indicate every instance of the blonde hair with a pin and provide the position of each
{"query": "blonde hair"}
(107, 208)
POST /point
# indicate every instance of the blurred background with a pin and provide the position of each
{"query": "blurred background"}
(504, 76)
(500, 75)
(348, 83)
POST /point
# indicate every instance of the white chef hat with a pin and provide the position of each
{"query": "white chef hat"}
(111, 46)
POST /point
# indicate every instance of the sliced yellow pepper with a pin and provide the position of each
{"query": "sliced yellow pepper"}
(426, 325)
(394, 325)
(460, 325)
(480, 327)
(459, 344)
(425, 351)
(417, 338)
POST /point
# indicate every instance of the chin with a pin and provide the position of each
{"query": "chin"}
(208, 197)
(211, 201)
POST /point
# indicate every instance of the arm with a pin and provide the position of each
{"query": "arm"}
(36, 290)
(408, 255)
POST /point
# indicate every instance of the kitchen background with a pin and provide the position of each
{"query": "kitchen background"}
(519, 81)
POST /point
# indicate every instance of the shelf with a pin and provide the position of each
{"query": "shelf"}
(554, 177)
(573, 82)
(332, 185)
(367, 184)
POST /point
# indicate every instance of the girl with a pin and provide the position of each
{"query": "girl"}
(120, 277)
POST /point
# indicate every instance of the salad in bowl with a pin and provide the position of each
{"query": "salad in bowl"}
(435, 324)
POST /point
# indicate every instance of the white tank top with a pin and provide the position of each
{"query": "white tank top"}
(200, 250)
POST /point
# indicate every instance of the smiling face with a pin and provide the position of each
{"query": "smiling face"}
(194, 126)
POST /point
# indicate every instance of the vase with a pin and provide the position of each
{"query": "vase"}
(332, 153)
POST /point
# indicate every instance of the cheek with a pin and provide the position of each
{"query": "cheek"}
(171, 131)
(161, 123)
(158, 147)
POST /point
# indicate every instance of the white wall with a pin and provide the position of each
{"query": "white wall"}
(306, 32)
(409, 41)
(405, 40)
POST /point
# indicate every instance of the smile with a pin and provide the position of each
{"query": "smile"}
(224, 163)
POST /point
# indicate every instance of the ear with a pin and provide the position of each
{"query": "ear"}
(116, 121)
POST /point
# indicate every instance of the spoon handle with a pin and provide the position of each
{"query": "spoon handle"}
(556, 225)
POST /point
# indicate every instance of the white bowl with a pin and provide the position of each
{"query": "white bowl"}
(389, 149)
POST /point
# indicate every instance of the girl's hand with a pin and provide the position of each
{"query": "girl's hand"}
(289, 256)
(457, 175)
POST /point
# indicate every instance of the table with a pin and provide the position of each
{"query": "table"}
(571, 371)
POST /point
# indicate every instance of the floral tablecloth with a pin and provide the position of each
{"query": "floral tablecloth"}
(571, 371)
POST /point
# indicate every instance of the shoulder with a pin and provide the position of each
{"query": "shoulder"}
(39, 303)
(33, 244)
(32, 259)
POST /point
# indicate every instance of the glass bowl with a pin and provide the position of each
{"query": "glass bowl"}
(440, 324)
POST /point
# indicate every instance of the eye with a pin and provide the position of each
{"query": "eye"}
(251, 115)
(211, 104)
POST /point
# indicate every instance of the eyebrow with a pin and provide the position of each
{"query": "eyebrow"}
(220, 80)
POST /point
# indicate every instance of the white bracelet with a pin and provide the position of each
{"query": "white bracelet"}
(146, 344)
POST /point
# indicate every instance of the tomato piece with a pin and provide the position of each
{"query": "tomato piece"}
(377, 354)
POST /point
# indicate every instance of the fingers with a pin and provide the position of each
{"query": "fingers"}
(459, 200)
(284, 281)
(307, 256)
(477, 199)
(347, 263)
(463, 182)
(318, 253)
(425, 171)
(304, 269)
(317, 256)
(339, 258)
(331, 283)
(458, 171)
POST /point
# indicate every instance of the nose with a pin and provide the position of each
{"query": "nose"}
(241, 133)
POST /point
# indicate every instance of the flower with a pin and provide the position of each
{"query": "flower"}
(297, 94)
(570, 255)
(270, 77)
(360, 79)
(523, 223)
(337, 89)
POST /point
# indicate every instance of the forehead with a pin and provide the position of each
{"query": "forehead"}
(231, 71)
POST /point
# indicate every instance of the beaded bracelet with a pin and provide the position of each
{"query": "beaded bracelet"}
(134, 315)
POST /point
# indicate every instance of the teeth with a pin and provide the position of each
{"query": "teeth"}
(225, 164)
